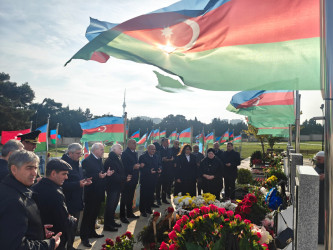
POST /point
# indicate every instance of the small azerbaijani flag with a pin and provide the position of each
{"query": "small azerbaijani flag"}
(163, 133)
(136, 136)
(54, 137)
(209, 138)
(149, 138)
(41, 147)
(143, 139)
(231, 136)
(217, 139)
(185, 136)
(238, 139)
(173, 136)
(86, 150)
(156, 135)
(225, 137)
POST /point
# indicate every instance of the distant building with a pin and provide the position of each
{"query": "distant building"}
(235, 121)
(225, 120)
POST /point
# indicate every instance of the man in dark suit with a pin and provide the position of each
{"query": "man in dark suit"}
(149, 170)
(131, 165)
(73, 186)
(94, 193)
(218, 152)
(51, 202)
(167, 169)
(198, 158)
(7, 149)
(230, 159)
(20, 223)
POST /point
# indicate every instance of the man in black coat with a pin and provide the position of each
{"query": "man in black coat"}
(20, 223)
(174, 151)
(230, 159)
(51, 202)
(218, 152)
(131, 166)
(114, 186)
(8, 148)
(167, 160)
(198, 158)
(73, 186)
(149, 170)
(94, 193)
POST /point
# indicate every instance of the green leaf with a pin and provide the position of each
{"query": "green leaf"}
(192, 246)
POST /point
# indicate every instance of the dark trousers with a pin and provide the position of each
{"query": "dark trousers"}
(71, 238)
(229, 187)
(188, 186)
(112, 200)
(161, 185)
(126, 200)
(146, 196)
(199, 186)
(90, 213)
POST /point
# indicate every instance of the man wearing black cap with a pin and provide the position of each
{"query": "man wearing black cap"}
(20, 222)
(30, 140)
(51, 201)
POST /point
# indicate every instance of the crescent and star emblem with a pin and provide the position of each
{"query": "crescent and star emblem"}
(256, 102)
(167, 33)
(102, 129)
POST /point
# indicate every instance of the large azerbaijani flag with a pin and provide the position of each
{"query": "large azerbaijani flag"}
(185, 136)
(225, 137)
(156, 134)
(220, 44)
(103, 129)
(274, 131)
(9, 135)
(86, 150)
(231, 136)
(41, 146)
(136, 136)
(265, 108)
(54, 136)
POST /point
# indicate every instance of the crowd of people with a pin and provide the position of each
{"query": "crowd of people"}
(44, 213)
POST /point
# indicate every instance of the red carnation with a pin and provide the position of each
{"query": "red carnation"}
(177, 228)
(230, 213)
(247, 221)
(213, 208)
(246, 209)
(118, 239)
(192, 214)
(128, 234)
(172, 246)
(259, 235)
(156, 214)
(204, 209)
(185, 226)
(252, 198)
(221, 210)
(172, 235)
(205, 216)
(170, 210)
(164, 246)
(227, 220)
(238, 217)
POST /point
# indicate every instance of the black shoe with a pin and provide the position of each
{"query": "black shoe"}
(165, 202)
(159, 203)
(133, 216)
(96, 235)
(110, 229)
(154, 205)
(86, 243)
(115, 224)
(143, 214)
(124, 220)
(148, 211)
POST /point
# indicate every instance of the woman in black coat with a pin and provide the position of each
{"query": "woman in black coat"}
(186, 171)
(211, 172)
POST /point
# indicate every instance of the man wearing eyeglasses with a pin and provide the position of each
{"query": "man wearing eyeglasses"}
(73, 186)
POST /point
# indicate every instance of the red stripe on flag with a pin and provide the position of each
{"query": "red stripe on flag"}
(111, 128)
(237, 22)
(267, 99)
(42, 137)
(8, 135)
(185, 135)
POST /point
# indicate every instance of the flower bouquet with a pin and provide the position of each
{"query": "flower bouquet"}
(211, 227)
(124, 242)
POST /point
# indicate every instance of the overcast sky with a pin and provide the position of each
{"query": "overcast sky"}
(38, 37)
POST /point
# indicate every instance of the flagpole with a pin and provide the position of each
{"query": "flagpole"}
(57, 139)
(327, 93)
(30, 126)
(125, 123)
(47, 141)
(191, 136)
(298, 128)
(290, 134)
